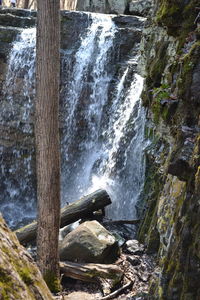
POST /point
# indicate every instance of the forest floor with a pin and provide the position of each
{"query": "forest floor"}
(138, 271)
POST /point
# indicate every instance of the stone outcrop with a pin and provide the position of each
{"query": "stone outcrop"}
(140, 7)
(171, 228)
(90, 242)
(19, 275)
(132, 7)
(102, 6)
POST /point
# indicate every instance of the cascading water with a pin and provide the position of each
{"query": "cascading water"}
(21, 75)
(121, 171)
(17, 186)
(85, 97)
(102, 123)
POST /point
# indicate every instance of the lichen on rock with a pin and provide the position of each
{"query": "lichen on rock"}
(19, 275)
(171, 227)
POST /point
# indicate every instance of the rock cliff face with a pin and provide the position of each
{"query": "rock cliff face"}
(19, 275)
(130, 7)
(171, 64)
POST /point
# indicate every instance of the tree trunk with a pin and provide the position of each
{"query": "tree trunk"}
(47, 139)
(26, 4)
(69, 214)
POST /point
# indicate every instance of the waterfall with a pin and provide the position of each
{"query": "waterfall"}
(121, 171)
(101, 123)
(85, 97)
(17, 185)
(20, 78)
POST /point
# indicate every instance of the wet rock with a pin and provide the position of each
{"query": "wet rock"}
(19, 12)
(7, 36)
(134, 247)
(9, 19)
(90, 242)
(130, 21)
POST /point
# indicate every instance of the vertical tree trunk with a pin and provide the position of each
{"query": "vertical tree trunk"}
(26, 4)
(47, 139)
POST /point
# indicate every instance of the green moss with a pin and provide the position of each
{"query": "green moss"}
(157, 65)
(52, 281)
(170, 14)
(149, 133)
(26, 276)
(24, 271)
(159, 94)
(160, 292)
(148, 232)
(6, 284)
(178, 17)
(188, 64)
(4, 277)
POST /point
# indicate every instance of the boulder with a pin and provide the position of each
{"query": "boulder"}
(140, 7)
(94, 5)
(89, 242)
(102, 6)
(19, 275)
(117, 7)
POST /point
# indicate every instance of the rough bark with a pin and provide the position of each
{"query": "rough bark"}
(69, 214)
(91, 272)
(83, 207)
(26, 4)
(47, 139)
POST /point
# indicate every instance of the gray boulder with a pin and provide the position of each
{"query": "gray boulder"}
(90, 242)
(102, 6)
(117, 7)
(140, 7)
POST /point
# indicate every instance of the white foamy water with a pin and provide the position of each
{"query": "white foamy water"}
(102, 136)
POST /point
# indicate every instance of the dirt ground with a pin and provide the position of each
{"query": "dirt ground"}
(138, 271)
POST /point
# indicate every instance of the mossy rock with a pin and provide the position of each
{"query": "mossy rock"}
(178, 16)
(189, 62)
(170, 14)
(19, 275)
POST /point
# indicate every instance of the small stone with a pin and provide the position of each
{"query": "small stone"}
(134, 247)
(134, 260)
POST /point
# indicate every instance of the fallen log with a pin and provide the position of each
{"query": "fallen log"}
(121, 222)
(91, 272)
(69, 214)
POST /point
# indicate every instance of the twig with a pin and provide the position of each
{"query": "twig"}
(62, 292)
(117, 292)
